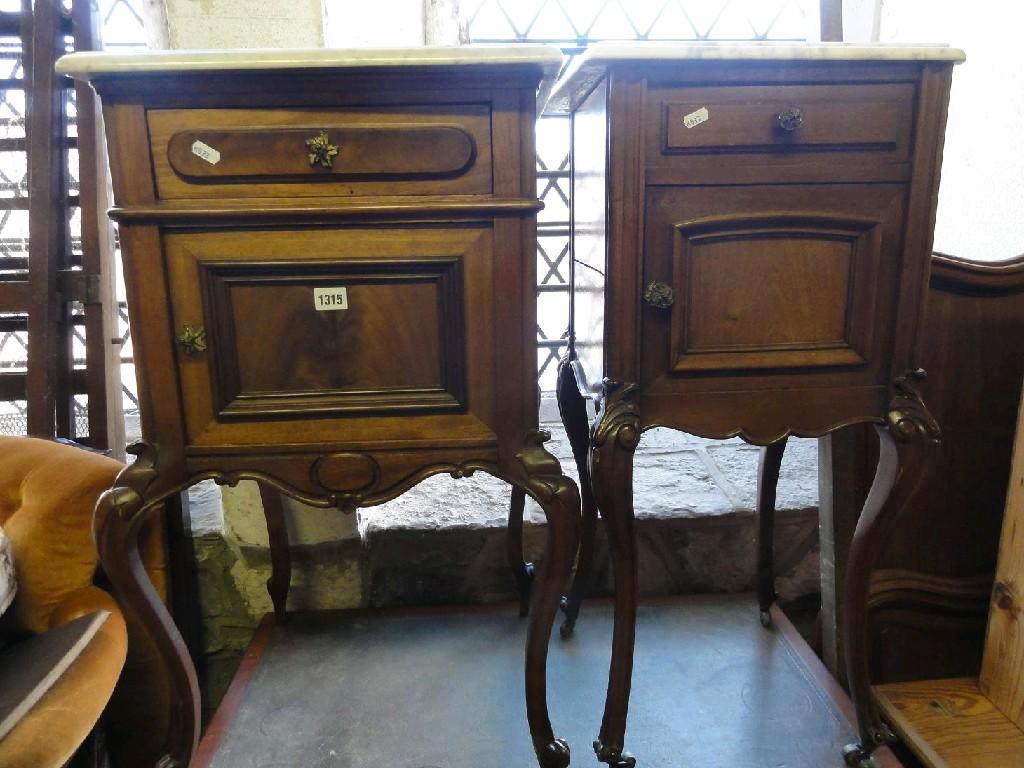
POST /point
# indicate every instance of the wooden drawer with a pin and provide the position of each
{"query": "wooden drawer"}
(402, 150)
(841, 132)
(308, 326)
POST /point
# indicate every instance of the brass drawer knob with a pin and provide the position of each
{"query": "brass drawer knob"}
(790, 119)
(658, 295)
(321, 151)
(192, 340)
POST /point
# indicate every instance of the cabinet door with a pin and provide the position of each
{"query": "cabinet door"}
(771, 281)
(309, 326)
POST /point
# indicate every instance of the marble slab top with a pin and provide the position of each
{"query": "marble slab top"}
(590, 66)
(85, 66)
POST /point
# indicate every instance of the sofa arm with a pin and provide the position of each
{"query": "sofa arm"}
(53, 729)
(84, 601)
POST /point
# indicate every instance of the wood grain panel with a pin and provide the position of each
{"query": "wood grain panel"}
(1002, 668)
(400, 350)
(810, 304)
(397, 345)
(363, 150)
(973, 351)
(777, 250)
(951, 724)
(383, 150)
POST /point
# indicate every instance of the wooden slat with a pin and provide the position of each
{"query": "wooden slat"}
(951, 724)
(10, 23)
(14, 296)
(1002, 669)
(106, 417)
(12, 384)
(16, 323)
(44, 128)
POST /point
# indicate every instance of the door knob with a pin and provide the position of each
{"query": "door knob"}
(192, 340)
(320, 151)
(658, 295)
(790, 119)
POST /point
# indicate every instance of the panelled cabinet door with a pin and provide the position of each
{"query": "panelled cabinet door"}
(314, 325)
(753, 282)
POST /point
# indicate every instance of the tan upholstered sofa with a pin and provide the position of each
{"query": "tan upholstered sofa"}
(47, 494)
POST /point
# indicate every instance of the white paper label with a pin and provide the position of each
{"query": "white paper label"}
(694, 119)
(206, 152)
(330, 298)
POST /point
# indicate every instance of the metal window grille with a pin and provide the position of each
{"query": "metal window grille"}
(574, 24)
(121, 26)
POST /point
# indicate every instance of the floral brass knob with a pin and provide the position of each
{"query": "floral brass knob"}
(321, 151)
(790, 119)
(192, 340)
(658, 295)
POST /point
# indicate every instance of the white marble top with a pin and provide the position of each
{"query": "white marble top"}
(86, 65)
(591, 65)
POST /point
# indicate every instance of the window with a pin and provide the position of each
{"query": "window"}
(983, 170)
(122, 27)
(573, 24)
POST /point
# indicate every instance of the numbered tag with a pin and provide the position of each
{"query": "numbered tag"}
(330, 298)
(205, 152)
(697, 117)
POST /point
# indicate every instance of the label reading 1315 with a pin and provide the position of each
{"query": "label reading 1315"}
(330, 298)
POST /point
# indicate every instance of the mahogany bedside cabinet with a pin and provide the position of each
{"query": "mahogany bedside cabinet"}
(752, 227)
(330, 261)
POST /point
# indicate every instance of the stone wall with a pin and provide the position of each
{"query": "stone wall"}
(444, 541)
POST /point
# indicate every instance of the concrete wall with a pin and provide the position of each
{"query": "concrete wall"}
(244, 23)
(983, 169)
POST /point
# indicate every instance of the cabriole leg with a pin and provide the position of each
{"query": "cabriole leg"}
(118, 519)
(559, 498)
(616, 435)
(280, 554)
(521, 570)
(573, 409)
(905, 443)
(767, 483)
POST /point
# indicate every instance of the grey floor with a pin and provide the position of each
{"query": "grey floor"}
(711, 689)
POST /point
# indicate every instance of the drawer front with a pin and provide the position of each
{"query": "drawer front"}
(783, 133)
(304, 327)
(766, 284)
(788, 118)
(411, 150)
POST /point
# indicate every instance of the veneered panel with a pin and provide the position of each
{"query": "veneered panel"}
(800, 296)
(397, 352)
(777, 290)
(384, 150)
(773, 288)
(277, 348)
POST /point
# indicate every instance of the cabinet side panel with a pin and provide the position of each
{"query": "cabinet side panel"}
(590, 206)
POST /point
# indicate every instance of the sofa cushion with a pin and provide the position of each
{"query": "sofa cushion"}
(47, 494)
